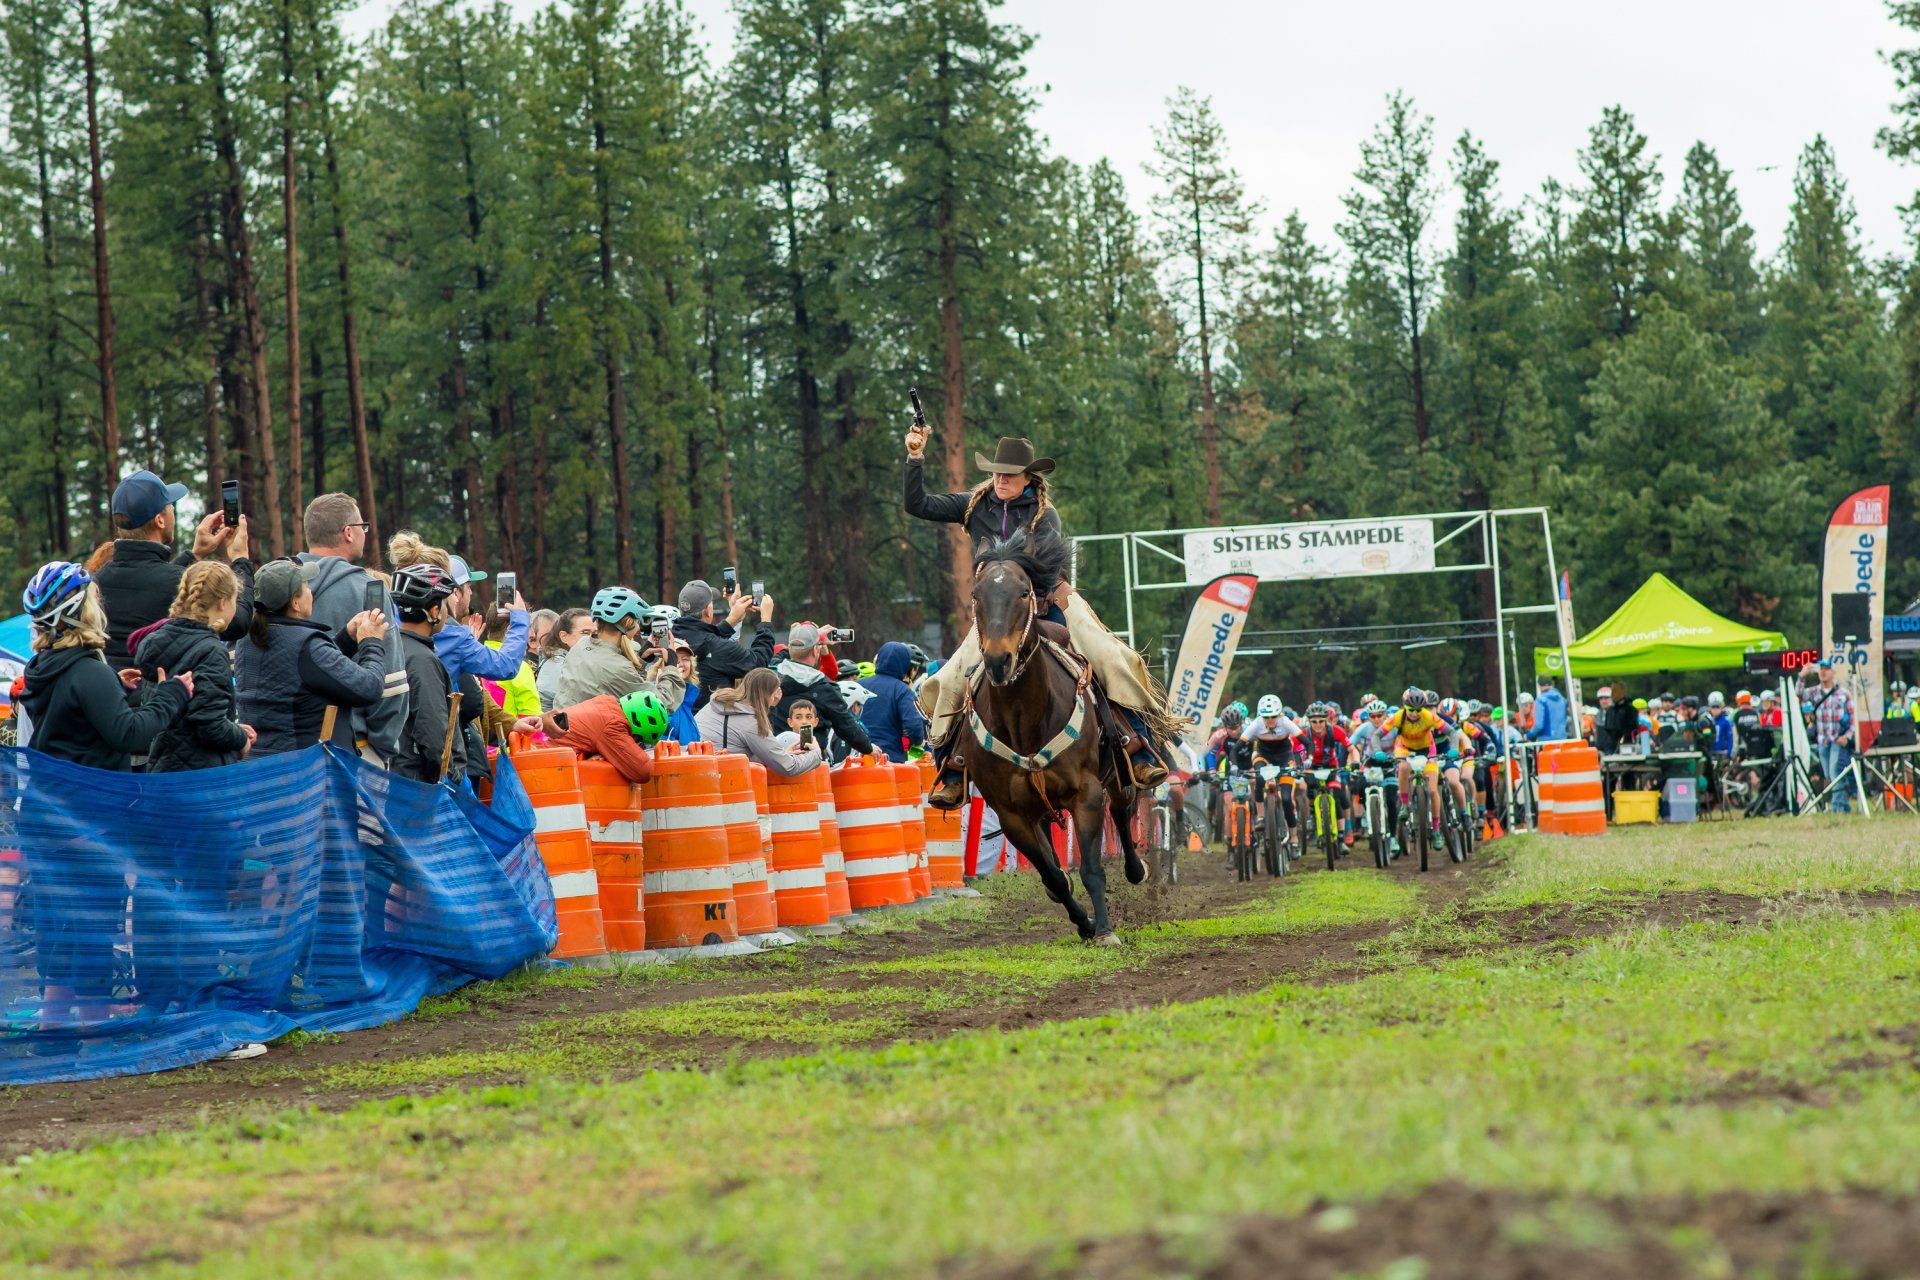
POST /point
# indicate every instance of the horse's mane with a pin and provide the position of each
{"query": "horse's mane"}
(1043, 557)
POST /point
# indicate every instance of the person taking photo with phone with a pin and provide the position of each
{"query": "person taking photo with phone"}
(612, 661)
(138, 584)
(721, 659)
(801, 677)
(290, 669)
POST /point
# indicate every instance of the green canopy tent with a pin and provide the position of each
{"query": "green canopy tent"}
(1660, 628)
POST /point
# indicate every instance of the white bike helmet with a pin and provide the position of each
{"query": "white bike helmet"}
(1269, 706)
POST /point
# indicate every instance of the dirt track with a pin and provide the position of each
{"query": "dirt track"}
(1465, 1233)
(78, 1113)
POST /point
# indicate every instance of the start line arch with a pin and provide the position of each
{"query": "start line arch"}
(1433, 542)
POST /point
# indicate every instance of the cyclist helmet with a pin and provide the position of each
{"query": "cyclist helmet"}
(1319, 711)
(1499, 713)
(854, 692)
(1232, 718)
(419, 587)
(1269, 706)
(917, 658)
(1448, 706)
(56, 595)
(1375, 707)
(614, 605)
(647, 715)
(866, 670)
(1410, 696)
(661, 613)
(1239, 706)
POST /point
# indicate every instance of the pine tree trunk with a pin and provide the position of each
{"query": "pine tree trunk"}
(210, 388)
(610, 348)
(470, 500)
(807, 393)
(50, 399)
(295, 485)
(1209, 413)
(953, 431)
(102, 290)
(240, 252)
(349, 328)
(718, 401)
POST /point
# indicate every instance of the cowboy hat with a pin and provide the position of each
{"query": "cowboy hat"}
(1013, 456)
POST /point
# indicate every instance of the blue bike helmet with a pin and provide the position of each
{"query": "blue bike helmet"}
(56, 595)
(615, 605)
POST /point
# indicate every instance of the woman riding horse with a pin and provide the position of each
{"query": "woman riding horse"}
(1014, 499)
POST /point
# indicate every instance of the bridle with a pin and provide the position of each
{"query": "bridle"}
(1024, 651)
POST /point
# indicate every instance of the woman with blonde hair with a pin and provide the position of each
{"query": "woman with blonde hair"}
(736, 720)
(76, 705)
(188, 639)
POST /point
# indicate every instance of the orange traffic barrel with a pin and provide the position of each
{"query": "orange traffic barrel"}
(946, 842)
(832, 861)
(551, 776)
(1543, 786)
(866, 802)
(1579, 807)
(913, 826)
(752, 899)
(796, 870)
(613, 828)
(687, 897)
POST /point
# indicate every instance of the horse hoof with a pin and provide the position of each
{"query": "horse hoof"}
(1136, 871)
(1108, 939)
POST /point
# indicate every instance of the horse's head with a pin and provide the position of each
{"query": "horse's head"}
(1011, 581)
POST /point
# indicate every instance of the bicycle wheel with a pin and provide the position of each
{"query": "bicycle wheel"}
(1452, 827)
(1274, 839)
(1422, 819)
(1377, 826)
(1326, 821)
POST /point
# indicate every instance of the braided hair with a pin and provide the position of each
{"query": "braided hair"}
(1035, 480)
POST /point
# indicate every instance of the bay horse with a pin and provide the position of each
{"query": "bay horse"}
(1036, 747)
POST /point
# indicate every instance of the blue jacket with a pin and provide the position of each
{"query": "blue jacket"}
(1722, 733)
(462, 655)
(682, 727)
(891, 717)
(1549, 717)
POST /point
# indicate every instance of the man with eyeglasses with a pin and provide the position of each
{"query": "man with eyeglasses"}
(336, 535)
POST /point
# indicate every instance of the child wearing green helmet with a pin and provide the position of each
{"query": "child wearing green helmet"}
(617, 730)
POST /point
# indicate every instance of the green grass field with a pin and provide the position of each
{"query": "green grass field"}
(1775, 1055)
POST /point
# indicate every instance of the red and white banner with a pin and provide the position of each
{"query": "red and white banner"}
(1856, 564)
(1206, 651)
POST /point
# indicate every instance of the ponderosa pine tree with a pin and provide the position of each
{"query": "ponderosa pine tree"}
(1206, 221)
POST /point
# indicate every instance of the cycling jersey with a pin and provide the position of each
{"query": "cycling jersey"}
(1329, 752)
(1412, 729)
(1272, 740)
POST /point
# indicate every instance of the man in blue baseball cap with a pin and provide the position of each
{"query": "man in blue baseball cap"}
(137, 586)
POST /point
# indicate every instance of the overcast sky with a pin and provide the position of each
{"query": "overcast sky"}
(1298, 85)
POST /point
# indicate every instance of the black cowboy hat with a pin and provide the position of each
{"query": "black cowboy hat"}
(1013, 456)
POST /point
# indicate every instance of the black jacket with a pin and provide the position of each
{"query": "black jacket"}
(285, 688)
(723, 660)
(425, 735)
(209, 734)
(79, 710)
(992, 518)
(137, 588)
(798, 680)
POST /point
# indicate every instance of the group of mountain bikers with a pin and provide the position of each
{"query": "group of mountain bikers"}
(1452, 742)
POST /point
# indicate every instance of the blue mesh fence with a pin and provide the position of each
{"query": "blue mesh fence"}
(148, 921)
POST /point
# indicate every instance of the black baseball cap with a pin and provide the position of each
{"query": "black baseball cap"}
(142, 496)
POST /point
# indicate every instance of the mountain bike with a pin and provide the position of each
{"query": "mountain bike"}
(1274, 851)
(1416, 813)
(1326, 813)
(1240, 841)
(1374, 816)
(1158, 835)
(1455, 824)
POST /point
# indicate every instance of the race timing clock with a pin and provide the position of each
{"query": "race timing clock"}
(1781, 662)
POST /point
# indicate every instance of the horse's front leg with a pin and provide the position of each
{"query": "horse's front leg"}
(1124, 817)
(1089, 820)
(1031, 839)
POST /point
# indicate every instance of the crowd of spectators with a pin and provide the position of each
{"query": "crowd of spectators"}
(157, 658)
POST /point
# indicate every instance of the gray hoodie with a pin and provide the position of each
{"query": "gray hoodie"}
(731, 727)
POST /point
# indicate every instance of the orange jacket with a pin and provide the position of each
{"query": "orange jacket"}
(598, 727)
